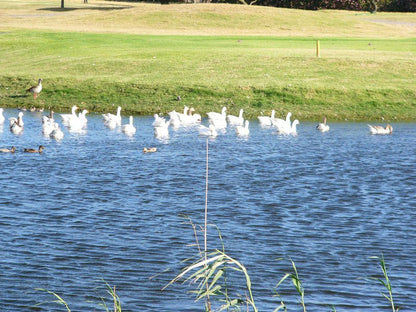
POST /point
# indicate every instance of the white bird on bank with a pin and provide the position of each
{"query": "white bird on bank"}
(322, 126)
(243, 131)
(129, 128)
(266, 121)
(380, 129)
(236, 120)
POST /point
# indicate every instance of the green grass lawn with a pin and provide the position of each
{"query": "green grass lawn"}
(355, 78)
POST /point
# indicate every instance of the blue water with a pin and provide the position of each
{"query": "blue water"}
(94, 207)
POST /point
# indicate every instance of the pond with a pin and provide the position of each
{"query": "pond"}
(94, 207)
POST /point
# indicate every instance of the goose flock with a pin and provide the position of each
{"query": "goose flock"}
(218, 123)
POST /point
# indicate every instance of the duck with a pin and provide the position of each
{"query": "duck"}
(266, 121)
(35, 90)
(1, 116)
(322, 126)
(110, 119)
(243, 131)
(7, 150)
(149, 149)
(207, 131)
(380, 129)
(129, 128)
(289, 130)
(236, 120)
(32, 150)
(16, 124)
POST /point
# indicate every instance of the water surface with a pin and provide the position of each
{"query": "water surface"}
(94, 206)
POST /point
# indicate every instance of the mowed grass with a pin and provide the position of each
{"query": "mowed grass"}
(93, 61)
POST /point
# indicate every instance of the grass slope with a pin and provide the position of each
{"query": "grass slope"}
(107, 54)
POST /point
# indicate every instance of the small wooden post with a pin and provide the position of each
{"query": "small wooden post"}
(318, 49)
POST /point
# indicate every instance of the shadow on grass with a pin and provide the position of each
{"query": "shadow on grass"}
(87, 7)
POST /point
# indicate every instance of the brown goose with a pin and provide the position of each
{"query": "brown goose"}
(35, 90)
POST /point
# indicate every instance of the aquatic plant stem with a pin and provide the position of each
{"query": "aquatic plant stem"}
(207, 302)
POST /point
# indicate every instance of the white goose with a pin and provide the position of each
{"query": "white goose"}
(16, 124)
(47, 125)
(78, 123)
(174, 120)
(243, 131)
(66, 117)
(289, 130)
(282, 124)
(129, 128)
(322, 126)
(188, 118)
(110, 119)
(266, 121)
(56, 133)
(209, 131)
(162, 131)
(380, 129)
(236, 120)
(218, 120)
(215, 115)
(159, 121)
(1, 116)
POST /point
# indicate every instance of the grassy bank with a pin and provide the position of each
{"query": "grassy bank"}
(97, 63)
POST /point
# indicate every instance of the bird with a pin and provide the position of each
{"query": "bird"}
(7, 150)
(162, 131)
(158, 121)
(1, 116)
(67, 117)
(322, 126)
(243, 131)
(218, 120)
(149, 149)
(16, 124)
(289, 130)
(380, 129)
(110, 119)
(215, 115)
(129, 128)
(32, 150)
(280, 123)
(266, 120)
(56, 133)
(209, 131)
(35, 90)
(236, 120)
